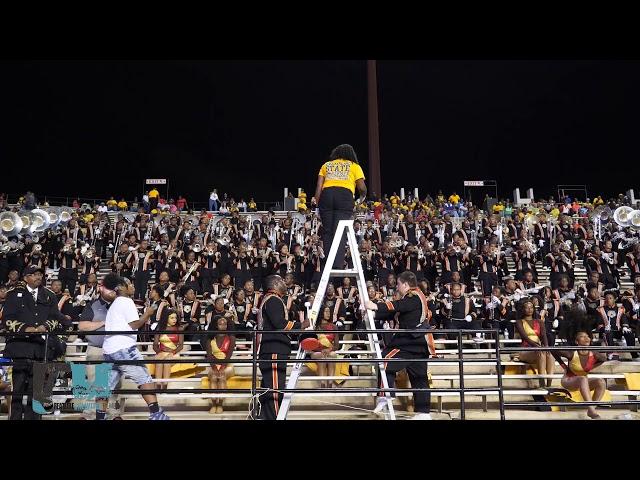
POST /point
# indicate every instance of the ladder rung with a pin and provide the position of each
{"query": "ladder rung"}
(344, 273)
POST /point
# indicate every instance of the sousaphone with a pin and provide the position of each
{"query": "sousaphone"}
(41, 220)
(10, 224)
(27, 222)
(622, 216)
(54, 216)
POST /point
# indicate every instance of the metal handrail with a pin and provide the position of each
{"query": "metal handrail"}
(253, 361)
(596, 348)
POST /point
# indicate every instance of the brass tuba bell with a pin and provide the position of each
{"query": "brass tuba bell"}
(10, 224)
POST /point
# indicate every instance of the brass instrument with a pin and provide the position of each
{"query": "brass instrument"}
(225, 240)
(40, 219)
(10, 224)
(196, 247)
(27, 222)
(189, 272)
(65, 216)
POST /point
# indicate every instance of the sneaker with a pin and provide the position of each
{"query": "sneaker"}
(380, 405)
(159, 416)
(478, 339)
(421, 416)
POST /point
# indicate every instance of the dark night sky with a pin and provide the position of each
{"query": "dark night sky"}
(253, 127)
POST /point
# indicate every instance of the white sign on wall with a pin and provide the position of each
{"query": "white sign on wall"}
(156, 181)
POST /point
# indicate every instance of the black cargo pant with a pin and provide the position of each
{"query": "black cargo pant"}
(417, 372)
(336, 203)
(274, 376)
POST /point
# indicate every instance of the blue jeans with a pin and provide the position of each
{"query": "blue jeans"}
(138, 373)
(213, 205)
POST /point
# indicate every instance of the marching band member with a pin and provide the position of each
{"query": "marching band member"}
(581, 362)
(68, 273)
(533, 334)
(273, 316)
(141, 266)
(559, 264)
(224, 288)
(413, 313)
(614, 324)
(220, 347)
(459, 312)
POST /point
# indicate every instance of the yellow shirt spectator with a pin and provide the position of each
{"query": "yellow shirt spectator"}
(555, 212)
(455, 198)
(341, 173)
(122, 204)
(111, 203)
(252, 205)
(497, 208)
(154, 193)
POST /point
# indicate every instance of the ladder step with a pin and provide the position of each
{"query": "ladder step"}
(344, 273)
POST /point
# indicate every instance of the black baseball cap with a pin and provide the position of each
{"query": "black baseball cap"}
(31, 269)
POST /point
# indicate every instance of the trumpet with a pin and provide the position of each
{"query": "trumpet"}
(37, 248)
(197, 247)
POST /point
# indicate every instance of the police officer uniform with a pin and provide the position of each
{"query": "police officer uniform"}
(26, 308)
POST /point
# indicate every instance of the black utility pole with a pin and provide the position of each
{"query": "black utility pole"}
(375, 184)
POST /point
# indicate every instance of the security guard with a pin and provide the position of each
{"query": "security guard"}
(30, 308)
(273, 315)
(413, 313)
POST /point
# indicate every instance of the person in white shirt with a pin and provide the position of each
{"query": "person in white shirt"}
(122, 316)
(102, 208)
(213, 201)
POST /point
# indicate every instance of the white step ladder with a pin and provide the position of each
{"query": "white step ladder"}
(327, 273)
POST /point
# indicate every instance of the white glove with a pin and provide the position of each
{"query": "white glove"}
(468, 318)
(626, 329)
(607, 328)
(555, 323)
(339, 324)
(386, 326)
(541, 243)
(250, 325)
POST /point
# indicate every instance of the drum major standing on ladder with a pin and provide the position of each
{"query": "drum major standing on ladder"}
(337, 182)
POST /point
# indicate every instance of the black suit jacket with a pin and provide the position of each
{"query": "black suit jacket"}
(22, 311)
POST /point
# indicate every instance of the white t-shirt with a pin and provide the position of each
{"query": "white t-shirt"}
(213, 196)
(120, 313)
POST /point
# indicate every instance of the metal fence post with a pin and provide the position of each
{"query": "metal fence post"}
(461, 373)
(499, 372)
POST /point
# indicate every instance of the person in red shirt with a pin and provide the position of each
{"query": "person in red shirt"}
(377, 210)
(575, 207)
(181, 203)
